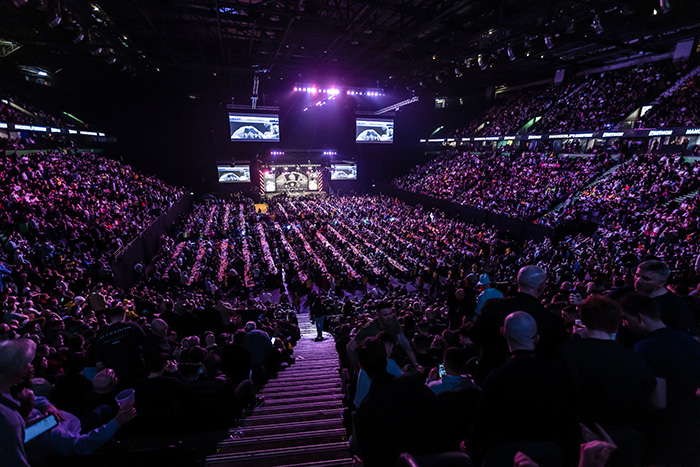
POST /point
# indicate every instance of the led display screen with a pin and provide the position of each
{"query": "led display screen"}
(374, 130)
(233, 173)
(343, 172)
(254, 127)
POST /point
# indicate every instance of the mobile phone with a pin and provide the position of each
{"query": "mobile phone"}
(441, 370)
(274, 339)
(42, 426)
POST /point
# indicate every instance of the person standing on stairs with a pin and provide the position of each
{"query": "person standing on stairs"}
(318, 315)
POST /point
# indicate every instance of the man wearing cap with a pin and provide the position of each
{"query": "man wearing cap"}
(487, 292)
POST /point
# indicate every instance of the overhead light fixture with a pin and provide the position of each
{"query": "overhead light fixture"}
(56, 20)
(79, 38)
(548, 42)
(19, 3)
(482, 62)
(511, 54)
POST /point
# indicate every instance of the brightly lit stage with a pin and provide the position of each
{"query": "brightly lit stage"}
(292, 179)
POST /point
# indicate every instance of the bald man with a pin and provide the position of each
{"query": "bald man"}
(486, 333)
(523, 403)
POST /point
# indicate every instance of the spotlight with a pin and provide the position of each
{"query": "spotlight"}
(482, 62)
(548, 42)
(56, 20)
(79, 38)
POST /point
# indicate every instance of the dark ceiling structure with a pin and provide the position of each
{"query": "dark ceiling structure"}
(399, 43)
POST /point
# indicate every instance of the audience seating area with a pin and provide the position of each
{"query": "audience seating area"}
(593, 102)
(242, 337)
(523, 186)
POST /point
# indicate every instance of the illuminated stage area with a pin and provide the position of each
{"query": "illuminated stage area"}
(292, 179)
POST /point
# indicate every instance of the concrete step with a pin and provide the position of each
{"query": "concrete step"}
(300, 393)
(292, 427)
(283, 456)
(330, 463)
(319, 376)
(275, 418)
(301, 407)
(292, 401)
(297, 386)
(258, 443)
(315, 375)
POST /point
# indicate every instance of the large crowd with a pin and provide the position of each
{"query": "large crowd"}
(517, 185)
(457, 341)
(593, 102)
(680, 109)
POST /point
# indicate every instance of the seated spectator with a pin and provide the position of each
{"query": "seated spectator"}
(454, 378)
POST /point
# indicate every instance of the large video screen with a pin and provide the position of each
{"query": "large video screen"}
(374, 130)
(233, 173)
(254, 127)
(343, 172)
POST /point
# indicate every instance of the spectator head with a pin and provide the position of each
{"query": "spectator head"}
(197, 354)
(116, 314)
(389, 341)
(372, 357)
(455, 361)
(600, 313)
(450, 338)
(155, 363)
(520, 331)
(385, 314)
(105, 381)
(16, 361)
(212, 364)
(250, 326)
(484, 282)
(651, 277)
(465, 333)
(239, 337)
(159, 328)
(532, 280)
(570, 314)
(640, 314)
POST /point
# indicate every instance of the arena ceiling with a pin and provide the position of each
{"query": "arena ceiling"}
(365, 42)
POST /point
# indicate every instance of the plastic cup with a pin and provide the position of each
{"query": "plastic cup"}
(125, 398)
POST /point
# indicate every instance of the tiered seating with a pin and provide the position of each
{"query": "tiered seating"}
(603, 101)
(593, 102)
(523, 187)
(681, 108)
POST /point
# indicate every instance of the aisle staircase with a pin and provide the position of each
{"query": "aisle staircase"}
(301, 422)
